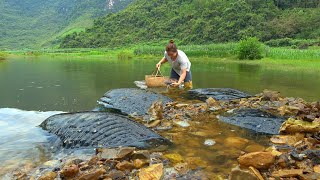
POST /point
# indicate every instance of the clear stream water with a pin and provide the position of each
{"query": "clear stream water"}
(34, 88)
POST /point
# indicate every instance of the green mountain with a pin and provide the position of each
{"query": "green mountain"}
(201, 22)
(41, 23)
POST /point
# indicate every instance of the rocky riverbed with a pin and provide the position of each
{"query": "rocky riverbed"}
(292, 153)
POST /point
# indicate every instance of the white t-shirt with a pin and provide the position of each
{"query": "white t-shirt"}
(182, 62)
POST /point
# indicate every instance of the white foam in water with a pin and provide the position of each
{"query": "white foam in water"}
(20, 138)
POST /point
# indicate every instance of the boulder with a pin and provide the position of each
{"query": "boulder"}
(100, 129)
(217, 94)
(254, 119)
(130, 100)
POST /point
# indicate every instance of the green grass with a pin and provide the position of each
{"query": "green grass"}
(211, 50)
(286, 53)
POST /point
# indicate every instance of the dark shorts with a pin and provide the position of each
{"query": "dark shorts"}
(176, 76)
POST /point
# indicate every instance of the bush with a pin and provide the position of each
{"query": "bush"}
(3, 55)
(250, 48)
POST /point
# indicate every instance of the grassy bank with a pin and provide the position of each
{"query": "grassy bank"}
(227, 50)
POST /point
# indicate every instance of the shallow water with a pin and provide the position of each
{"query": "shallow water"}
(75, 84)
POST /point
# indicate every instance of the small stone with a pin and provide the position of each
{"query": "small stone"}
(209, 142)
(183, 123)
(182, 168)
(236, 142)
(316, 168)
(93, 175)
(115, 174)
(70, 171)
(93, 161)
(153, 172)
(287, 173)
(199, 133)
(125, 152)
(125, 165)
(48, 176)
(256, 172)
(153, 124)
(51, 163)
(143, 154)
(139, 163)
(174, 158)
(238, 174)
(259, 160)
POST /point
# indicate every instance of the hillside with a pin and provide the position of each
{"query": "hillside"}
(201, 22)
(38, 23)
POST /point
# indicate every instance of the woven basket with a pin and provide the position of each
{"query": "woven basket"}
(156, 79)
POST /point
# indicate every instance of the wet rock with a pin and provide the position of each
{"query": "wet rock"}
(115, 174)
(153, 124)
(238, 174)
(316, 168)
(283, 161)
(153, 172)
(182, 168)
(259, 160)
(236, 142)
(125, 152)
(313, 155)
(254, 119)
(174, 158)
(286, 173)
(156, 111)
(183, 123)
(211, 102)
(95, 175)
(296, 156)
(125, 165)
(287, 139)
(140, 163)
(131, 100)
(93, 161)
(296, 126)
(254, 148)
(144, 155)
(196, 162)
(170, 173)
(51, 163)
(69, 171)
(209, 142)
(48, 176)
(268, 95)
(256, 172)
(217, 93)
(100, 129)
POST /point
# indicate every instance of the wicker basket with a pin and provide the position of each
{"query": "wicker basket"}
(156, 79)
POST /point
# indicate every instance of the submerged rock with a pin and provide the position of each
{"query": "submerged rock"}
(131, 100)
(154, 172)
(217, 94)
(259, 160)
(101, 129)
(294, 126)
(254, 119)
